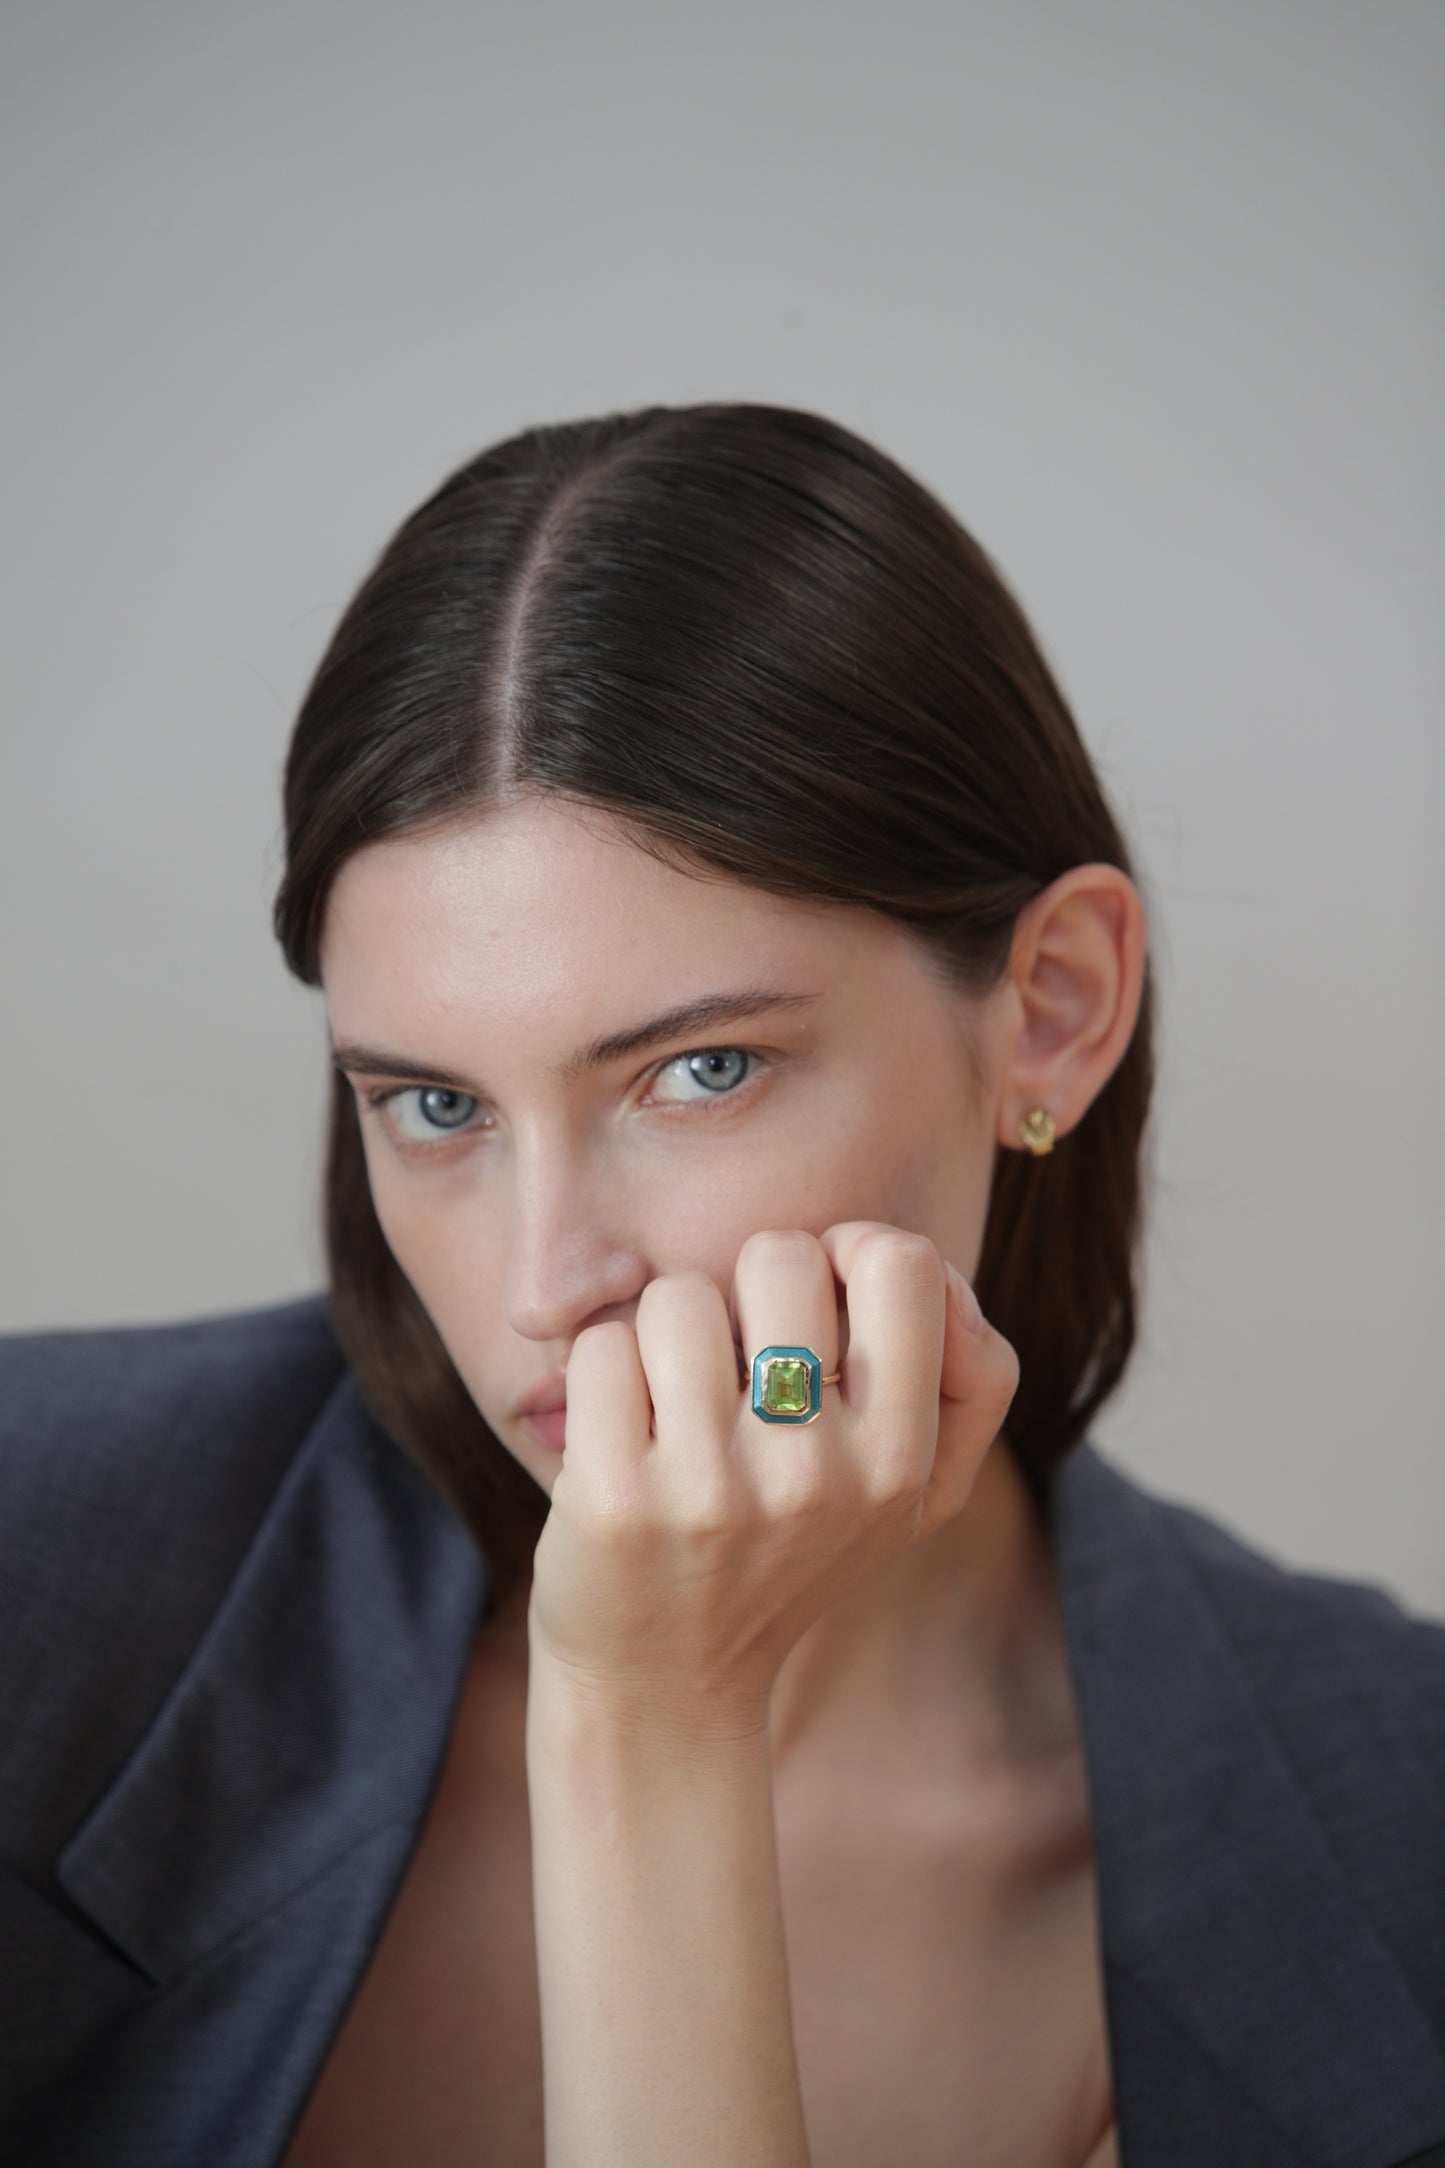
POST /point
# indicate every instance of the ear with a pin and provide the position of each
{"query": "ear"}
(1077, 972)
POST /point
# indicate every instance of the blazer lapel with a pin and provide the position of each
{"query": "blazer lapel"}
(314, 1709)
(1250, 1999)
(247, 1854)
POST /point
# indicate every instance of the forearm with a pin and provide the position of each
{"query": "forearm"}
(667, 2033)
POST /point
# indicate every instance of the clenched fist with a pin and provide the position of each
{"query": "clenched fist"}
(690, 1543)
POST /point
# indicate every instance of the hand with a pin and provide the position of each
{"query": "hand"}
(689, 1543)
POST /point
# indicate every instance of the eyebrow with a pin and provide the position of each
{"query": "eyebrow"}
(688, 1016)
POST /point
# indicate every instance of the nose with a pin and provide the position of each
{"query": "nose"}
(572, 1260)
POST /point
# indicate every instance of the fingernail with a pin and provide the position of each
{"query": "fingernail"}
(966, 1299)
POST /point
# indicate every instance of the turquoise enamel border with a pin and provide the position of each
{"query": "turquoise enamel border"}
(815, 1396)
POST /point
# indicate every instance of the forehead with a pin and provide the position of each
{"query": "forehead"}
(541, 906)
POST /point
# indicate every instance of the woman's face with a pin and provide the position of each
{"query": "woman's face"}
(525, 1198)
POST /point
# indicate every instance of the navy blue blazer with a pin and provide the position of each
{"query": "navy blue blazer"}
(234, 1621)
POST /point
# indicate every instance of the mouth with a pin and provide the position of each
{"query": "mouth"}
(549, 1429)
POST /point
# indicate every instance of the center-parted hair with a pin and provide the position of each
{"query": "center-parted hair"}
(764, 649)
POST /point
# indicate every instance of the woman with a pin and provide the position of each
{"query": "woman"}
(650, 1668)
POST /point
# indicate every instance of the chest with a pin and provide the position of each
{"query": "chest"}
(937, 2017)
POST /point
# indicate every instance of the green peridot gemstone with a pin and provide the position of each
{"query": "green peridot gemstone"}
(785, 1385)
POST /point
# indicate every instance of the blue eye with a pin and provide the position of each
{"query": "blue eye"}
(719, 1072)
(715, 1069)
(432, 1133)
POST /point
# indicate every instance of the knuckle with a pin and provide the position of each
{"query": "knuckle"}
(708, 1509)
(915, 1253)
(900, 1249)
(777, 1241)
(619, 1511)
(673, 1294)
(798, 1488)
(612, 1328)
(894, 1480)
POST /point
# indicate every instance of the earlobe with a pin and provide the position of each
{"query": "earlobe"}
(1038, 1130)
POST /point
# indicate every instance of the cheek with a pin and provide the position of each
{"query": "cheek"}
(415, 1237)
(464, 1308)
(445, 1258)
(425, 1229)
(909, 1169)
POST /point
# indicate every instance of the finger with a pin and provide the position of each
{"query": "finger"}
(685, 1344)
(785, 1296)
(609, 1413)
(979, 1379)
(894, 1283)
(967, 1345)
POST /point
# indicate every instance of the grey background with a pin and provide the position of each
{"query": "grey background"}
(1150, 296)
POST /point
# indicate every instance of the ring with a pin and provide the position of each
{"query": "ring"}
(788, 1383)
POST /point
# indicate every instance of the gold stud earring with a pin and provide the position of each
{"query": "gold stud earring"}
(1038, 1131)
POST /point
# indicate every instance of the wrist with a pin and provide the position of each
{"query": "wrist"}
(637, 1718)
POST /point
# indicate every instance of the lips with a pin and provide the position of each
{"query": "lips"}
(545, 1398)
(550, 1429)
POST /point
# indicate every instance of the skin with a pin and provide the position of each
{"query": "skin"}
(495, 949)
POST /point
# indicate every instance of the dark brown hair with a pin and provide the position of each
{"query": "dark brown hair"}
(762, 648)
